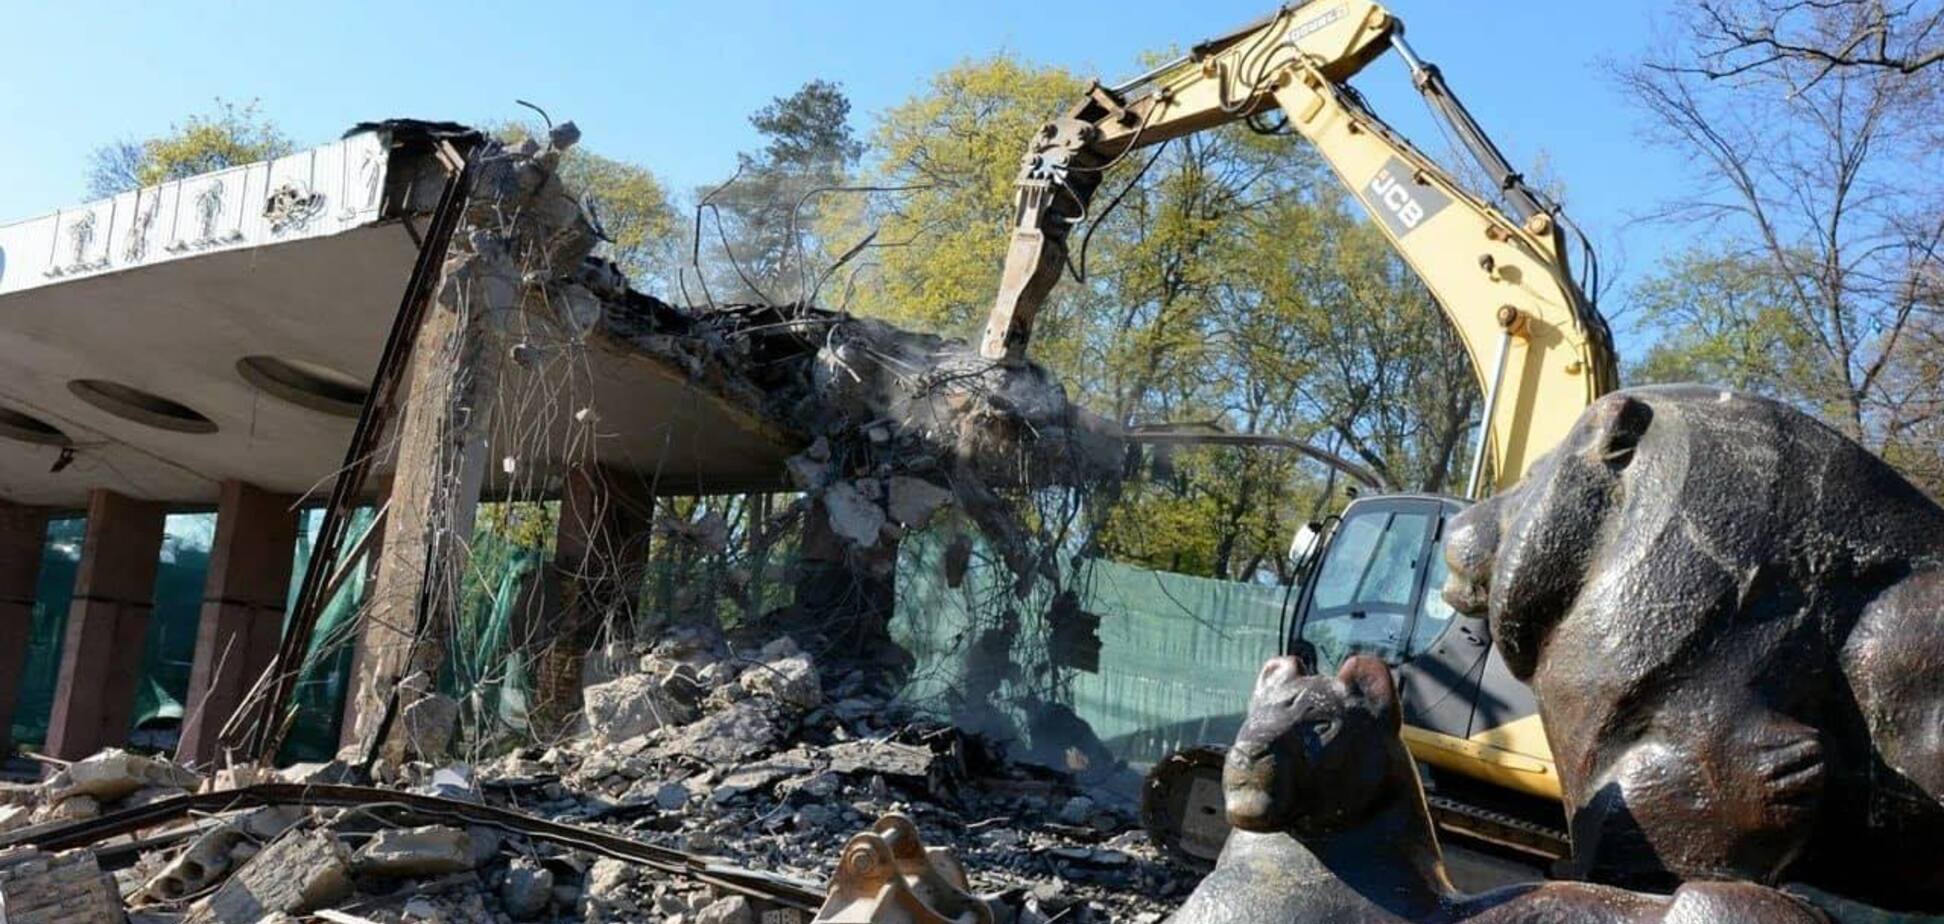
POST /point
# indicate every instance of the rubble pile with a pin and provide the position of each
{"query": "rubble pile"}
(752, 760)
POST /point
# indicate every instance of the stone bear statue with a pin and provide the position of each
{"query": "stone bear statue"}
(1730, 615)
(1330, 825)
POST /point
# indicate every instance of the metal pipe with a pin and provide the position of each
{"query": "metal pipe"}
(1159, 436)
(1403, 48)
(1475, 485)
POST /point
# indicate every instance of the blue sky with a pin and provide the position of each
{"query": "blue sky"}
(670, 85)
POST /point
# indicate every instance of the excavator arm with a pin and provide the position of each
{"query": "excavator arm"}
(1540, 349)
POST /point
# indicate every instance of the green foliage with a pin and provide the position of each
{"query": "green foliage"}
(941, 246)
(1228, 282)
(632, 204)
(810, 127)
(1720, 319)
(226, 136)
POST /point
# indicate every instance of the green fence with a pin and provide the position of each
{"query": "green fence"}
(1178, 654)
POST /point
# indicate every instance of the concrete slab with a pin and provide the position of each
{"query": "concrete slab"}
(168, 290)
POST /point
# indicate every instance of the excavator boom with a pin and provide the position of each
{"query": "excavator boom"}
(1539, 348)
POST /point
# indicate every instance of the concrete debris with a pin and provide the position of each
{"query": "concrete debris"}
(427, 719)
(634, 705)
(115, 774)
(853, 515)
(791, 680)
(59, 888)
(739, 732)
(429, 851)
(527, 889)
(732, 910)
(72, 808)
(913, 501)
(758, 775)
(882, 758)
(298, 872)
(211, 856)
(15, 817)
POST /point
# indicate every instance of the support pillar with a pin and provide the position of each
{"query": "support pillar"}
(242, 612)
(434, 497)
(101, 652)
(521, 236)
(600, 548)
(23, 533)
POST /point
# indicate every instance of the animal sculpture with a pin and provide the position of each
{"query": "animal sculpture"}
(1331, 826)
(1730, 615)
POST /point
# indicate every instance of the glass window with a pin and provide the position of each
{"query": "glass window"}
(1373, 561)
(1349, 553)
(1362, 603)
(1434, 614)
(1393, 575)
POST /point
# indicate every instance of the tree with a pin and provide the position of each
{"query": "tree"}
(1385, 375)
(643, 228)
(1734, 37)
(939, 244)
(226, 136)
(1721, 320)
(1222, 278)
(759, 229)
(1824, 250)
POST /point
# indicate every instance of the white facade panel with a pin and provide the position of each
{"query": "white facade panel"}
(312, 193)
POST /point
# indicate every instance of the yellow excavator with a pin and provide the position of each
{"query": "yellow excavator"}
(1500, 272)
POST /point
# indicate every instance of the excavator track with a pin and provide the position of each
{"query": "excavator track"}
(1530, 839)
(1182, 812)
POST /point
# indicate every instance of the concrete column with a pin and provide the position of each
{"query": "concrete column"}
(434, 497)
(242, 611)
(23, 534)
(114, 591)
(600, 545)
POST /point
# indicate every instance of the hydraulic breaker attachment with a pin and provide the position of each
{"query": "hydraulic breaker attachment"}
(888, 876)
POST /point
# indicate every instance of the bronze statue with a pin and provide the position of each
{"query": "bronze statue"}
(1730, 615)
(1330, 825)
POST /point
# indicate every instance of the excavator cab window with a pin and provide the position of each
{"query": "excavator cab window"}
(1372, 593)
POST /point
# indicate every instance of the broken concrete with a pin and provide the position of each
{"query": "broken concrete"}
(114, 774)
(751, 782)
(298, 872)
(429, 851)
(791, 680)
(211, 856)
(527, 889)
(60, 888)
(633, 705)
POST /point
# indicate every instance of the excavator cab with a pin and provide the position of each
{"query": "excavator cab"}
(1371, 583)
(1374, 586)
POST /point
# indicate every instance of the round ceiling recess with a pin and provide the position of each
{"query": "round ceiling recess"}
(319, 388)
(17, 426)
(140, 406)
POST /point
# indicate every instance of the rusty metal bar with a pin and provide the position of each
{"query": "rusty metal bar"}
(781, 890)
(1208, 435)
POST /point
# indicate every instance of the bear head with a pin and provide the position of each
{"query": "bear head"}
(1316, 754)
